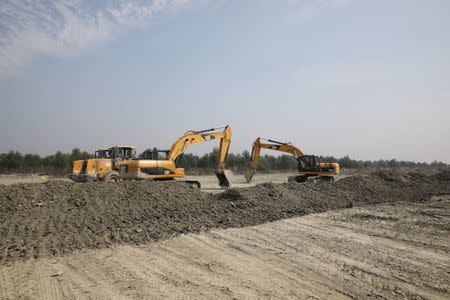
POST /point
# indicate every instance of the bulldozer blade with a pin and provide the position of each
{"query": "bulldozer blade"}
(224, 182)
(249, 175)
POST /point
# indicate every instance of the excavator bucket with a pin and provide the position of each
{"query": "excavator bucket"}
(224, 183)
(249, 175)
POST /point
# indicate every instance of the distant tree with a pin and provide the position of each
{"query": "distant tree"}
(393, 163)
(12, 160)
(32, 161)
(246, 155)
(213, 158)
(76, 154)
(285, 162)
(60, 162)
(48, 161)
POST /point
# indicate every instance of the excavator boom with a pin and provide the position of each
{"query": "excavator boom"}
(272, 145)
(197, 137)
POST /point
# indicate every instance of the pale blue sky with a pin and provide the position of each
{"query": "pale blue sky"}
(370, 79)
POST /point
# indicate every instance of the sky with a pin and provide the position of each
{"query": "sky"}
(368, 79)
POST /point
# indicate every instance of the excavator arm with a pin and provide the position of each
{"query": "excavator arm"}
(272, 145)
(197, 137)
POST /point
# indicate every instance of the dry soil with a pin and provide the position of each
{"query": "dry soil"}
(55, 218)
(398, 250)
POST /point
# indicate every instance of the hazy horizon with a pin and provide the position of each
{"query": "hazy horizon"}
(368, 79)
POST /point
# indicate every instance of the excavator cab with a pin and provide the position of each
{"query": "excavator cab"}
(121, 157)
(101, 153)
(122, 152)
(309, 163)
(154, 154)
(310, 167)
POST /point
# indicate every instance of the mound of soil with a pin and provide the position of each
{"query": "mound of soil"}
(443, 176)
(60, 217)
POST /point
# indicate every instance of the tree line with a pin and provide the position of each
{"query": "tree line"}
(269, 163)
(60, 163)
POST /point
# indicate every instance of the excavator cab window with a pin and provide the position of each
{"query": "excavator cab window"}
(147, 154)
(162, 155)
(309, 163)
(154, 154)
(129, 153)
(114, 153)
(315, 163)
(121, 153)
(303, 163)
(101, 154)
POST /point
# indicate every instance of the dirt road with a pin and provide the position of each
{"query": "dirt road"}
(397, 250)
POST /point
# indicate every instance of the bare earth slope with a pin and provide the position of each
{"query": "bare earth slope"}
(55, 218)
(396, 250)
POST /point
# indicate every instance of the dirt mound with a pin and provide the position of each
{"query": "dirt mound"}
(60, 217)
(443, 176)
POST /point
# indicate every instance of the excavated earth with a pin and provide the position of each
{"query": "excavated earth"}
(55, 218)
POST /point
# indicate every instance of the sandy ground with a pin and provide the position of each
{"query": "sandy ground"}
(209, 183)
(385, 251)
(8, 179)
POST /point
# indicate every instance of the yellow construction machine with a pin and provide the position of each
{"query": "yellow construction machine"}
(120, 162)
(310, 167)
(102, 153)
(77, 165)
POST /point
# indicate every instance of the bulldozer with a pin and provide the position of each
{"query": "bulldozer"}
(310, 167)
(121, 162)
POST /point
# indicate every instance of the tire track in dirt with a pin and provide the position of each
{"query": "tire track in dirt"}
(341, 267)
(332, 255)
(209, 266)
(317, 268)
(145, 268)
(280, 259)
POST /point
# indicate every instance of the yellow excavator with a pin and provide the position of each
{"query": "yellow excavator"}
(120, 162)
(310, 167)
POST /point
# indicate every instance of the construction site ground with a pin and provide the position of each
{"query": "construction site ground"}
(383, 235)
